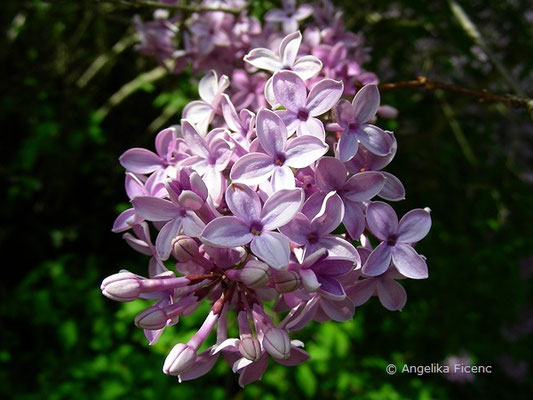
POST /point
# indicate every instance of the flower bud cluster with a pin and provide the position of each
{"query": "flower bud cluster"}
(246, 202)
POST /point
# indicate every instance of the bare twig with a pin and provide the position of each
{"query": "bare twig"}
(482, 96)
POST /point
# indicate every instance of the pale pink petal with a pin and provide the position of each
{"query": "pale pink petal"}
(323, 96)
(408, 262)
(252, 169)
(282, 178)
(271, 132)
(288, 49)
(281, 207)
(264, 59)
(273, 248)
(381, 219)
(289, 90)
(155, 209)
(165, 236)
(391, 294)
(414, 226)
(307, 67)
(208, 87)
(243, 202)
(366, 103)
(140, 161)
(313, 127)
(227, 232)
(304, 150)
(193, 139)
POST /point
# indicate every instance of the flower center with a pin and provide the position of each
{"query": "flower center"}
(279, 159)
(353, 126)
(312, 238)
(256, 228)
(303, 114)
(391, 241)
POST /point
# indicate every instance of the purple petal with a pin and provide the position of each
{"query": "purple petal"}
(271, 132)
(381, 220)
(282, 178)
(208, 87)
(309, 280)
(164, 141)
(307, 67)
(125, 220)
(200, 113)
(363, 186)
(289, 119)
(304, 150)
(348, 146)
(281, 207)
(354, 219)
(273, 248)
(378, 261)
(297, 229)
(155, 209)
(230, 114)
(254, 371)
(375, 139)
(243, 202)
(343, 112)
(137, 244)
(331, 288)
(193, 225)
(165, 236)
(408, 262)
(366, 103)
(338, 247)
(391, 294)
(216, 184)
(393, 189)
(193, 139)
(330, 174)
(339, 311)
(330, 215)
(227, 232)
(414, 226)
(362, 291)
(333, 267)
(204, 363)
(288, 48)
(312, 127)
(264, 59)
(252, 169)
(289, 90)
(140, 161)
(297, 357)
(323, 96)
(134, 187)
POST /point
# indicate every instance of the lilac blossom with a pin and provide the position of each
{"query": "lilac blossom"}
(396, 240)
(302, 109)
(280, 154)
(290, 15)
(254, 223)
(354, 121)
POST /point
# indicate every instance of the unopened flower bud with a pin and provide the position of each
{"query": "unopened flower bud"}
(277, 343)
(152, 318)
(250, 348)
(286, 281)
(255, 274)
(180, 359)
(123, 286)
(184, 248)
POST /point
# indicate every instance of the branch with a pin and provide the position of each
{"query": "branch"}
(175, 7)
(482, 96)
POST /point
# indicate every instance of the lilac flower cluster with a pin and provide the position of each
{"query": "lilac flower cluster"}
(214, 40)
(272, 202)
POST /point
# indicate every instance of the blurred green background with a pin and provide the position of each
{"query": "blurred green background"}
(63, 186)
